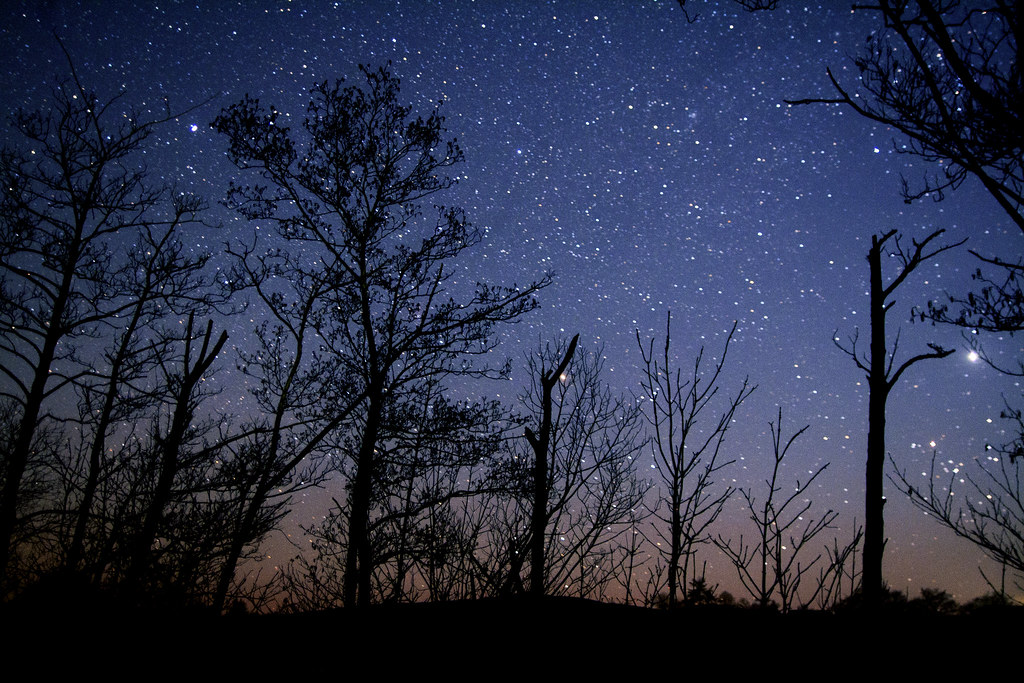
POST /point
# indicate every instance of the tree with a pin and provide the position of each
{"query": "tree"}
(945, 75)
(300, 392)
(170, 442)
(840, 566)
(883, 374)
(748, 5)
(541, 445)
(768, 566)
(686, 453)
(74, 194)
(430, 472)
(427, 501)
(989, 510)
(578, 478)
(347, 192)
(162, 280)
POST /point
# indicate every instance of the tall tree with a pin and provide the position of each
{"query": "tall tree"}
(347, 192)
(162, 279)
(183, 381)
(540, 442)
(300, 392)
(73, 191)
(883, 374)
(946, 75)
(686, 451)
(578, 480)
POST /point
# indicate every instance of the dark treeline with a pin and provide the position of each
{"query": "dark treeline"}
(122, 478)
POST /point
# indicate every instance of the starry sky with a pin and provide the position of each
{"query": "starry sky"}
(651, 164)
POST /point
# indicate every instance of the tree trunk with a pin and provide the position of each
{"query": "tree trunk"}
(358, 560)
(541, 445)
(878, 394)
(18, 457)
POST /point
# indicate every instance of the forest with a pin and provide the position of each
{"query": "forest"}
(124, 480)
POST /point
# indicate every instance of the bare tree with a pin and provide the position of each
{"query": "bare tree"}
(71, 189)
(300, 391)
(945, 75)
(348, 190)
(183, 379)
(988, 508)
(541, 445)
(434, 466)
(883, 374)
(583, 456)
(769, 565)
(687, 456)
(164, 280)
(840, 567)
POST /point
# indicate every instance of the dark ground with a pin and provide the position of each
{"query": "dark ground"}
(502, 639)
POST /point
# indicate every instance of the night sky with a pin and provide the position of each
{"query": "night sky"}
(651, 164)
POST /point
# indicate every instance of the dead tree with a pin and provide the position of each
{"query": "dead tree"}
(579, 490)
(541, 444)
(883, 374)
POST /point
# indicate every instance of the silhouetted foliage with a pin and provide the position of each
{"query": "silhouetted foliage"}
(74, 195)
(374, 266)
(934, 601)
(885, 599)
(997, 307)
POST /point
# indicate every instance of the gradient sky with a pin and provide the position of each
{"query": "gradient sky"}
(651, 163)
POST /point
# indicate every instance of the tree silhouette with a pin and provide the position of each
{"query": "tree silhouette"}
(347, 192)
(769, 566)
(170, 442)
(73, 195)
(427, 520)
(883, 374)
(541, 445)
(946, 76)
(686, 452)
(989, 510)
(580, 483)
(163, 280)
